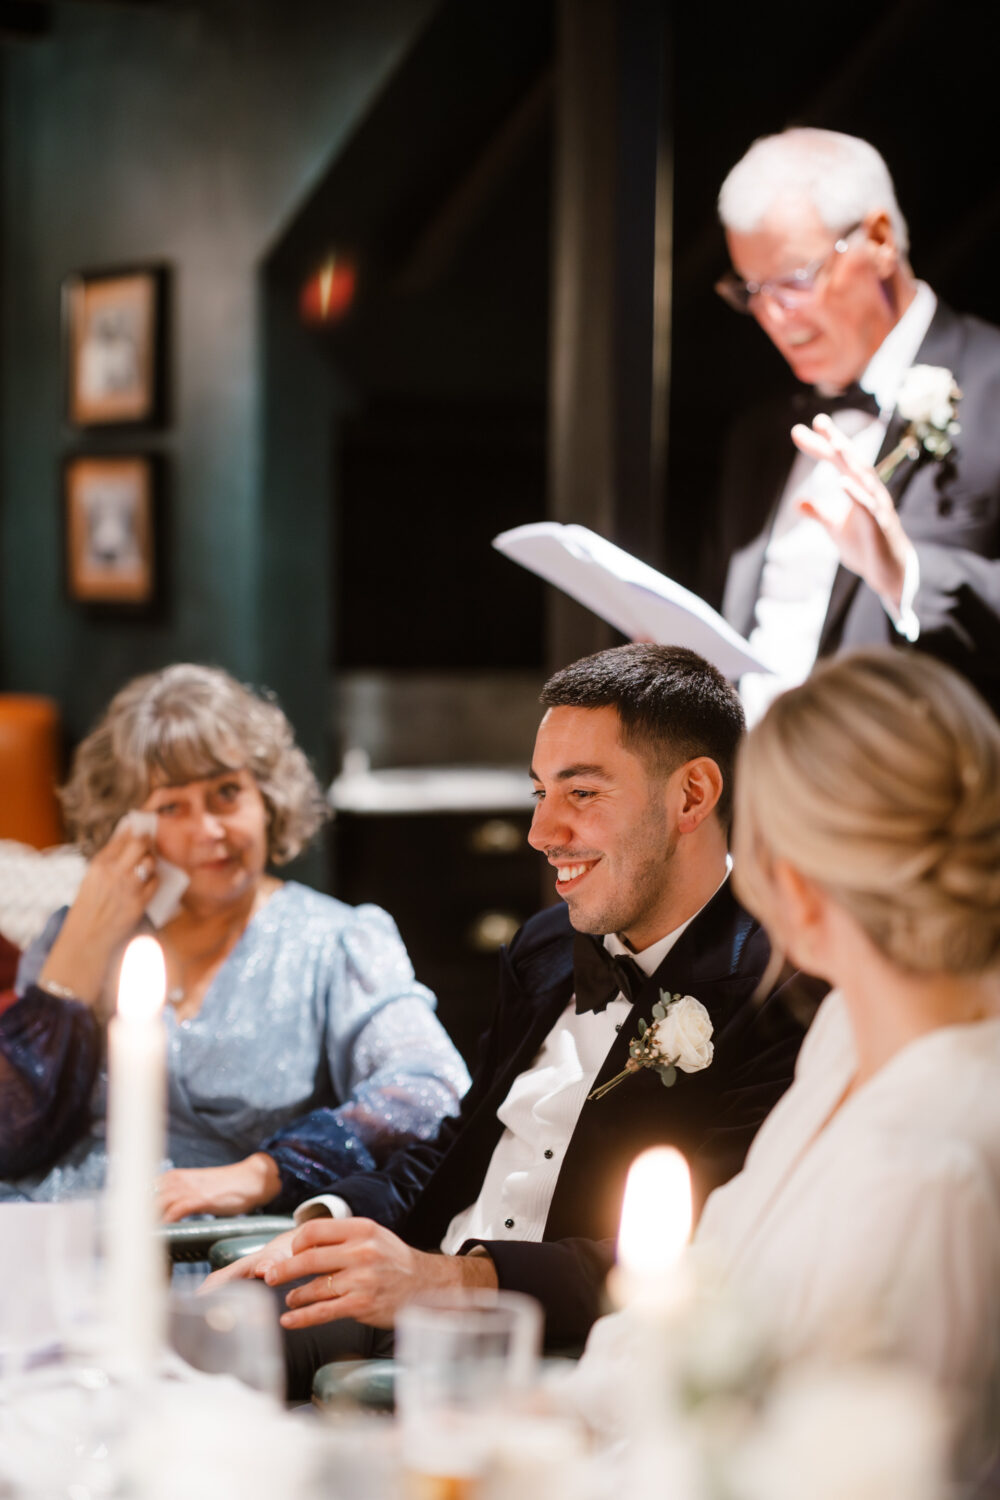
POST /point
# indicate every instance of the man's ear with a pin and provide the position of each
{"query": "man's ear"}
(882, 243)
(698, 785)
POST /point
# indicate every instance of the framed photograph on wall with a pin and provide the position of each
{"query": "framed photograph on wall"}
(114, 324)
(110, 529)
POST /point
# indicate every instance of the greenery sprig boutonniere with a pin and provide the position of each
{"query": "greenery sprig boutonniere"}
(678, 1037)
(927, 402)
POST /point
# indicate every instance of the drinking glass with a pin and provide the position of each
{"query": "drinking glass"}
(73, 1271)
(47, 1270)
(466, 1360)
(58, 1413)
(231, 1331)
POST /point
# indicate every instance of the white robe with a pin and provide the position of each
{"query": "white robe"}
(877, 1231)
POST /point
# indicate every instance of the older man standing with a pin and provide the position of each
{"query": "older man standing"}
(819, 554)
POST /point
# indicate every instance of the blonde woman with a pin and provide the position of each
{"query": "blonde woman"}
(300, 1044)
(866, 1219)
(868, 842)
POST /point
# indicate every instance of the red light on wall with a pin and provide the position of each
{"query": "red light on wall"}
(328, 295)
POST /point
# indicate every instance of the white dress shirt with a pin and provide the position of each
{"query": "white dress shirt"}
(801, 559)
(539, 1116)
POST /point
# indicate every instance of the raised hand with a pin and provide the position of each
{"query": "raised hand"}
(866, 529)
(118, 882)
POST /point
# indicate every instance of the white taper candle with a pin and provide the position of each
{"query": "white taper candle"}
(137, 1079)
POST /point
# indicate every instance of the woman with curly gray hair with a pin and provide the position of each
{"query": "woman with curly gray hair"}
(300, 1043)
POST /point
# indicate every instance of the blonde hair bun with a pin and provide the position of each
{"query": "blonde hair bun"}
(879, 778)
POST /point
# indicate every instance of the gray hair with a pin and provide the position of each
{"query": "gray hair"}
(844, 178)
(188, 723)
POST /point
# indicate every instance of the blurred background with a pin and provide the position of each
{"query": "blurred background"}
(428, 271)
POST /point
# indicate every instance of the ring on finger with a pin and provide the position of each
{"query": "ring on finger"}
(330, 1290)
(142, 871)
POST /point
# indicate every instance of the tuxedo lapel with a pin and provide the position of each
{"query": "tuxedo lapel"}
(709, 962)
(522, 1023)
(942, 345)
(743, 580)
(759, 487)
(704, 957)
(533, 999)
(753, 491)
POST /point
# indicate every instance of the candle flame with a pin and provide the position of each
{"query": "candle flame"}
(656, 1213)
(142, 987)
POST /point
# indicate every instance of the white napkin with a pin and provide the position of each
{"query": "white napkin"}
(166, 899)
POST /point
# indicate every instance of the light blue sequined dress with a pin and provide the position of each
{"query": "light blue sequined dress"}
(314, 1042)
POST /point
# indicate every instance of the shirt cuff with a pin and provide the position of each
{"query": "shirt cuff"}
(326, 1205)
(904, 617)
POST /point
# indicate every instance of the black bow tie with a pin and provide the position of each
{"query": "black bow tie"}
(810, 403)
(599, 975)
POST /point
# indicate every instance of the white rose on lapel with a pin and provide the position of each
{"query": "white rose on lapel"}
(685, 1034)
(928, 403)
(679, 1036)
(928, 394)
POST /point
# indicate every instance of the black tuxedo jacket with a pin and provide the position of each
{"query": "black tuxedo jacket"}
(950, 509)
(711, 1116)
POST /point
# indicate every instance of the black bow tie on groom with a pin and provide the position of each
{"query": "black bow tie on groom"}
(810, 403)
(599, 975)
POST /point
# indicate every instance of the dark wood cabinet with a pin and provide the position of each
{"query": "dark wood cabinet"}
(457, 884)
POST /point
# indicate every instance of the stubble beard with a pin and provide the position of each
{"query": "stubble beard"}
(651, 877)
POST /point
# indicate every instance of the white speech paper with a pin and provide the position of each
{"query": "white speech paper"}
(630, 595)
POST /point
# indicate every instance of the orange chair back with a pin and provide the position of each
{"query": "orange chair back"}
(29, 770)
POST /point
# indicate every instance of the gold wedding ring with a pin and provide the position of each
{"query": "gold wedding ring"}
(329, 1286)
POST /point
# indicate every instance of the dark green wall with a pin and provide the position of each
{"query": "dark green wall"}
(186, 133)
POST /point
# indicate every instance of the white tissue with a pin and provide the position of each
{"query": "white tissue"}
(173, 881)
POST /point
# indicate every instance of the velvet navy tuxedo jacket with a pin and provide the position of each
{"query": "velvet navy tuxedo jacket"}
(711, 1116)
(950, 509)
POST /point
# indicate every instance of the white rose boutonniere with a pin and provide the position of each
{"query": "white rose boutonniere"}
(928, 402)
(678, 1037)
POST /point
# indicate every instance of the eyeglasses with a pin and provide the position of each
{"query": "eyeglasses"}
(788, 291)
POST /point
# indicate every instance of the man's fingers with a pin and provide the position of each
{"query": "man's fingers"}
(807, 508)
(812, 443)
(242, 1269)
(825, 443)
(327, 1231)
(266, 1262)
(327, 1311)
(844, 456)
(323, 1260)
(332, 1286)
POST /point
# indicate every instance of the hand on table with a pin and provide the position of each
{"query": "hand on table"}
(868, 534)
(119, 881)
(236, 1189)
(361, 1270)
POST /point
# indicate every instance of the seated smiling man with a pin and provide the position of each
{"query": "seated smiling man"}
(632, 769)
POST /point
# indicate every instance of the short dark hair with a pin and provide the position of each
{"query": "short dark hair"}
(672, 706)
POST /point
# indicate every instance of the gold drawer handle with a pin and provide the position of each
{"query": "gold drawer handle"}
(491, 930)
(496, 836)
